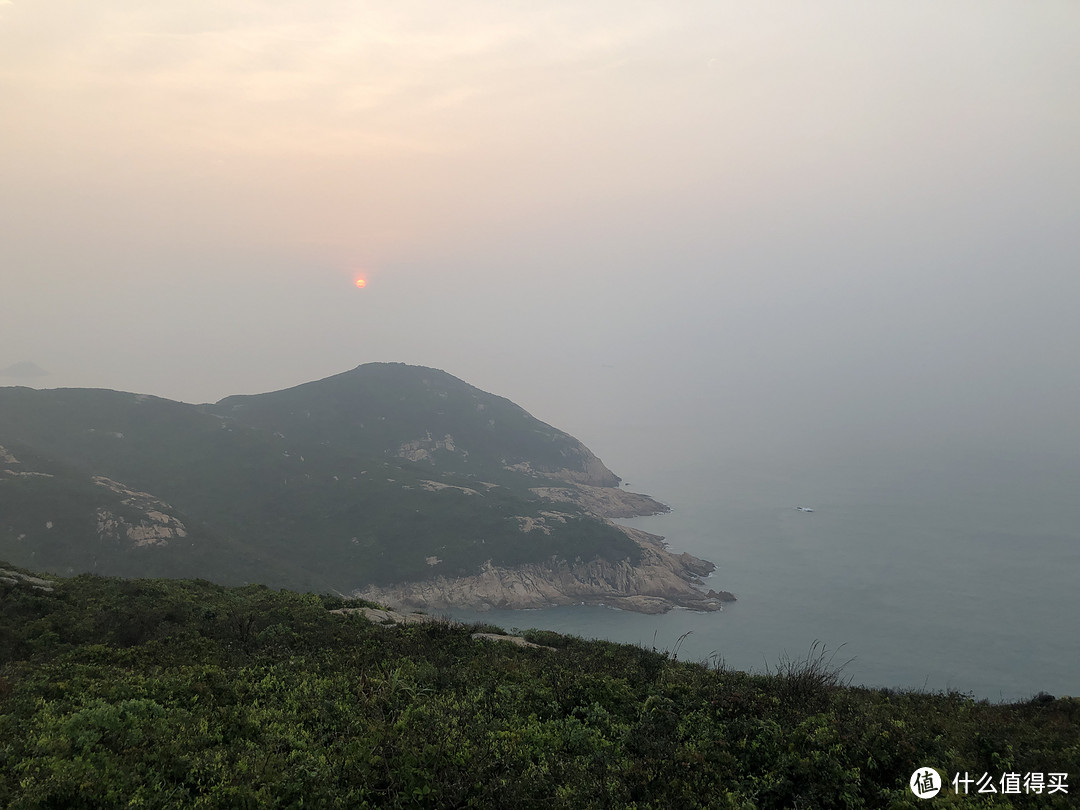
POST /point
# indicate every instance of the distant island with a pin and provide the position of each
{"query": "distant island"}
(24, 369)
(395, 483)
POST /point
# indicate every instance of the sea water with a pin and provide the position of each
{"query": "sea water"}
(937, 569)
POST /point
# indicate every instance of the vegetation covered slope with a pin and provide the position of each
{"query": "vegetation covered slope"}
(383, 474)
(165, 693)
(381, 407)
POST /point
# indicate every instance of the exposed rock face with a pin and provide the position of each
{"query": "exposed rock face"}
(155, 528)
(659, 582)
(543, 523)
(605, 502)
(583, 467)
(7, 458)
(436, 486)
(17, 578)
(423, 449)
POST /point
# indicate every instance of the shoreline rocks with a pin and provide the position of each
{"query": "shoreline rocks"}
(605, 502)
(658, 583)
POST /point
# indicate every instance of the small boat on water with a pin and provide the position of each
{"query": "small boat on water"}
(804, 509)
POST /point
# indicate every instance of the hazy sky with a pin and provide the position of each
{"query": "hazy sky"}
(844, 217)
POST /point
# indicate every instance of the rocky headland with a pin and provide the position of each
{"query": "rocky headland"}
(659, 581)
(401, 483)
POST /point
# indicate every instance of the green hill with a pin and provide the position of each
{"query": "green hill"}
(383, 474)
(177, 694)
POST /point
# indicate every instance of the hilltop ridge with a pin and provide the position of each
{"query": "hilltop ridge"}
(383, 477)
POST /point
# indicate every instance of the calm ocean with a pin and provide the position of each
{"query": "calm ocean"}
(935, 569)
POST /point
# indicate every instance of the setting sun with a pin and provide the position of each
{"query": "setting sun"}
(361, 282)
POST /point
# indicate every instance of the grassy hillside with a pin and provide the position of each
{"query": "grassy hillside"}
(159, 693)
(365, 477)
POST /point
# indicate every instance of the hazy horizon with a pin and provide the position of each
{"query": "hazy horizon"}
(836, 224)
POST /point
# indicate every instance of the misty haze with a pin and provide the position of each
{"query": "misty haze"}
(753, 256)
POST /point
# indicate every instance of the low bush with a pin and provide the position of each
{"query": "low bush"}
(186, 694)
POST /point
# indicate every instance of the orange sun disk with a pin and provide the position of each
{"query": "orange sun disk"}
(361, 282)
